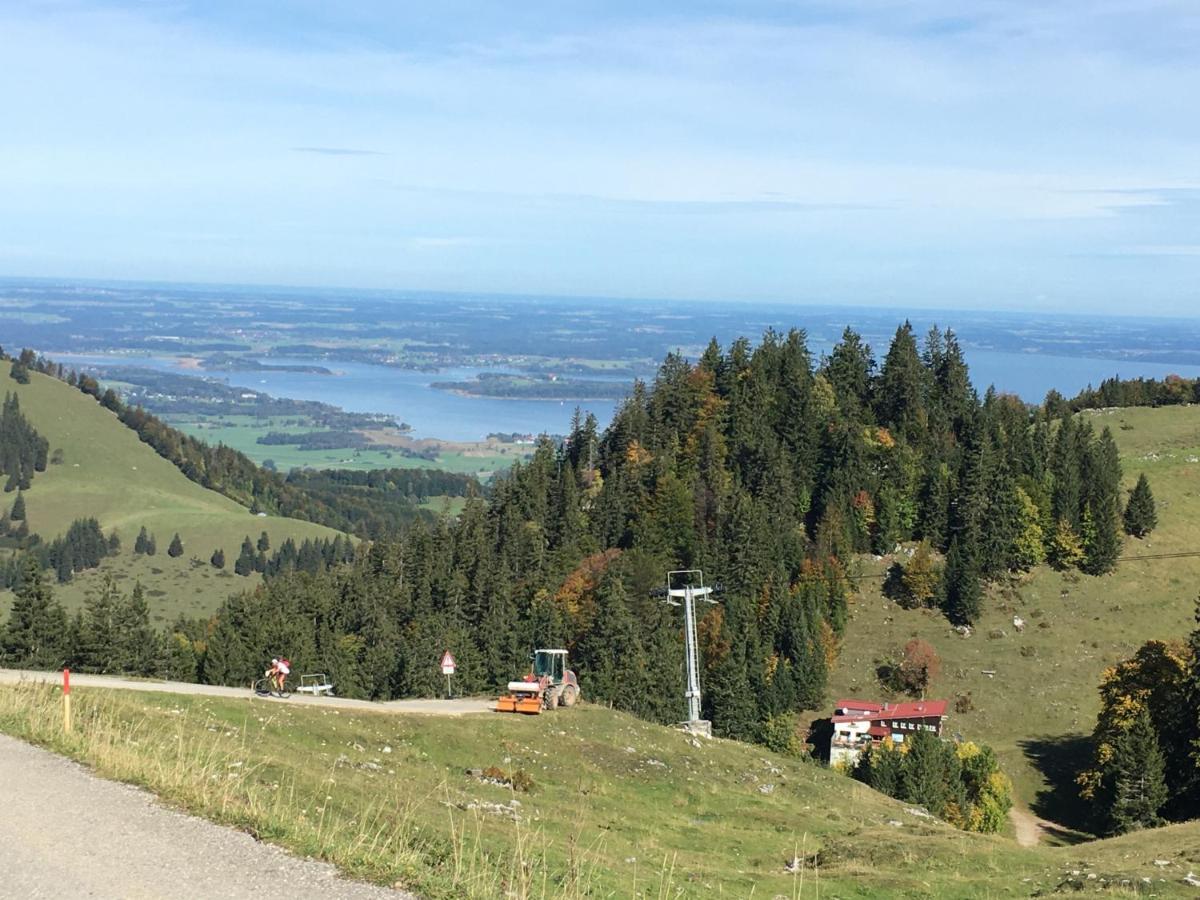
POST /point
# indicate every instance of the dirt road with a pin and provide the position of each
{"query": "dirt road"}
(64, 833)
(427, 707)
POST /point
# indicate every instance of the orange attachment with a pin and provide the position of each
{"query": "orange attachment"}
(530, 704)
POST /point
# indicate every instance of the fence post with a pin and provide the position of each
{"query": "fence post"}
(67, 700)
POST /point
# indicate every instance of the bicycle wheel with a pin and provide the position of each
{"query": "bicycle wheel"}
(284, 692)
(262, 687)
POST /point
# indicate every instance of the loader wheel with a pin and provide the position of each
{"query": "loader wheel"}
(552, 699)
(569, 695)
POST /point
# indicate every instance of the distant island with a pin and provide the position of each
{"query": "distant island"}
(509, 386)
(225, 362)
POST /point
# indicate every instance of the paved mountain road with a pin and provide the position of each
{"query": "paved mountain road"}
(426, 707)
(66, 834)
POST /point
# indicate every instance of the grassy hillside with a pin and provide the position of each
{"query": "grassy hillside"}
(616, 807)
(1039, 707)
(108, 473)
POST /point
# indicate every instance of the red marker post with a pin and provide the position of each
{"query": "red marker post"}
(67, 700)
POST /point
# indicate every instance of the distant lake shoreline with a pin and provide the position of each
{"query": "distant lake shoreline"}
(454, 416)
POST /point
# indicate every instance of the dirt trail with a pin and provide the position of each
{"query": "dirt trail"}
(1029, 827)
(65, 834)
(426, 707)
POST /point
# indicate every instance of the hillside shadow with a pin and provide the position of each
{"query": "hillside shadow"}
(1060, 759)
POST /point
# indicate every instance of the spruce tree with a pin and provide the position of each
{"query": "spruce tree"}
(135, 647)
(962, 593)
(1141, 516)
(176, 547)
(1139, 786)
(927, 773)
(218, 559)
(35, 635)
(1102, 486)
(901, 390)
(97, 642)
(151, 546)
(264, 542)
(143, 539)
(244, 564)
(18, 508)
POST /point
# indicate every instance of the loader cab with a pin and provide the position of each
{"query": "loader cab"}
(551, 663)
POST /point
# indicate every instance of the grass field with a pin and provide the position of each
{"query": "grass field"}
(482, 459)
(1038, 708)
(616, 807)
(108, 473)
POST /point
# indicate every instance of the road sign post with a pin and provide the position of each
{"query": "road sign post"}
(448, 667)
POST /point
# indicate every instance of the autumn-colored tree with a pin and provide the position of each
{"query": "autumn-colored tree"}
(1064, 549)
(919, 665)
(922, 577)
(1153, 682)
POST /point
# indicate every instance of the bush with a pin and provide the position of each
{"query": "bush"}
(781, 734)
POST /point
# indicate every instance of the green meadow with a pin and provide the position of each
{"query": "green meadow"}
(108, 473)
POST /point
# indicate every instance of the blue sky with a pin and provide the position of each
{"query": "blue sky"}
(935, 154)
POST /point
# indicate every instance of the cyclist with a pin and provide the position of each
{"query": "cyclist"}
(278, 673)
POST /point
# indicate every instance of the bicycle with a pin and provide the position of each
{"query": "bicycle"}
(266, 687)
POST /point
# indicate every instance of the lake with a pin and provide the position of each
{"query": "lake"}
(407, 394)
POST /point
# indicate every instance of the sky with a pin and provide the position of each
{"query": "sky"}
(902, 153)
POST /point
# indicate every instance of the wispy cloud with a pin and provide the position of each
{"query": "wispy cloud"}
(338, 151)
(912, 148)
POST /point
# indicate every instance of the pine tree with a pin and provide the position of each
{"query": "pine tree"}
(176, 547)
(927, 775)
(143, 539)
(1140, 788)
(264, 542)
(35, 635)
(244, 564)
(901, 389)
(18, 508)
(96, 636)
(1102, 485)
(135, 645)
(151, 546)
(1141, 516)
(961, 591)
(218, 559)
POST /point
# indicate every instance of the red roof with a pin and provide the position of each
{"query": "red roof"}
(878, 731)
(858, 705)
(860, 711)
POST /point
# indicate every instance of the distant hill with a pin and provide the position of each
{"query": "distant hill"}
(1034, 693)
(107, 473)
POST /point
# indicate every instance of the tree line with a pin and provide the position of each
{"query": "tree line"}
(23, 452)
(111, 634)
(1117, 392)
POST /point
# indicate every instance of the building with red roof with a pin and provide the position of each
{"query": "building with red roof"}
(858, 724)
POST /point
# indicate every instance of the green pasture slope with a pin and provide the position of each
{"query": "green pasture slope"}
(108, 473)
(242, 433)
(1040, 705)
(615, 807)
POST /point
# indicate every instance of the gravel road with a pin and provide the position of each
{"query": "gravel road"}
(427, 707)
(65, 834)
